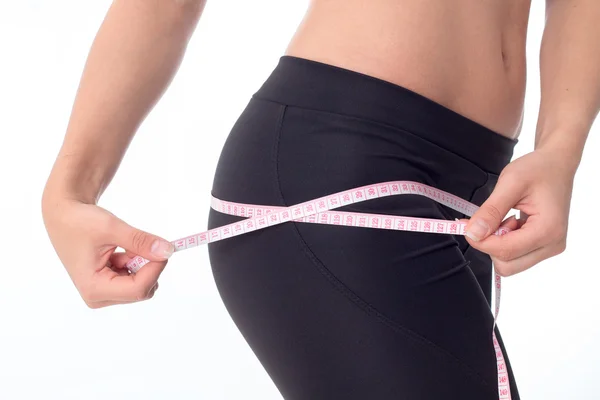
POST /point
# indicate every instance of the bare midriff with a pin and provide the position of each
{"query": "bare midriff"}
(468, 55)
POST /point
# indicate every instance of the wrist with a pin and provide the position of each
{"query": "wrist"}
(76, 179)
(565, 145)
(564, 165)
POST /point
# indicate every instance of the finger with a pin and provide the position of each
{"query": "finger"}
(107, 271)
(138, 242)
(510, 223)
(508, 268)
(120, 260)
(133, 287)
(153, 291)
(522, 218)
(488, 217)
(516, 243)
(106, 303)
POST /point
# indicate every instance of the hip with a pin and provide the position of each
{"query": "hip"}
(313, 129)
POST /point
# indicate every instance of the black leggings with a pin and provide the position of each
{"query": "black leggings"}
(337, 312)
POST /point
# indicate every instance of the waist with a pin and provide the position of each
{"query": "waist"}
(468, 57)
(317, 86)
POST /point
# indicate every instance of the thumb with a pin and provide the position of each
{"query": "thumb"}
(489, 216)
(142, 243)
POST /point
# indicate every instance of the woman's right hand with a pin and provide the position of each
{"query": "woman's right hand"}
(85, 237)
(133, 58)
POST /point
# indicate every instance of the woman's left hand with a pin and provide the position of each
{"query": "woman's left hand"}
(540, 185)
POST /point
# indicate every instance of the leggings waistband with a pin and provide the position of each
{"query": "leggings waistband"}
(311, 84)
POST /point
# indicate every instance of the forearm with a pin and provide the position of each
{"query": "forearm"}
(133, 58)
(570, 78)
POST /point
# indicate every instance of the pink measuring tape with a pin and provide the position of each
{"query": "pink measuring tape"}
(318, 211)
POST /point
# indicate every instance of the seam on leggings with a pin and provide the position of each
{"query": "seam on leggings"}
(478, 188)
(376, 122)
(346, 291)
(487, 180)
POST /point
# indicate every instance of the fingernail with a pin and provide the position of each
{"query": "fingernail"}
(477, 230)
(162, 249)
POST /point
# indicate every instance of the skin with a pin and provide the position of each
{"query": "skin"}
(468, 55)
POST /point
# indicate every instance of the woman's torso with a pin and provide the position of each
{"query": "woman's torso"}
(468, 55)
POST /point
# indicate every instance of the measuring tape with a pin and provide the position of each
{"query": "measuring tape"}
(319, 211)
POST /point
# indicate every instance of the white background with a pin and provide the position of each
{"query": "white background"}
(182, 344)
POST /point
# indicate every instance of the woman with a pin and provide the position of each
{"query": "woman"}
(367, 92)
